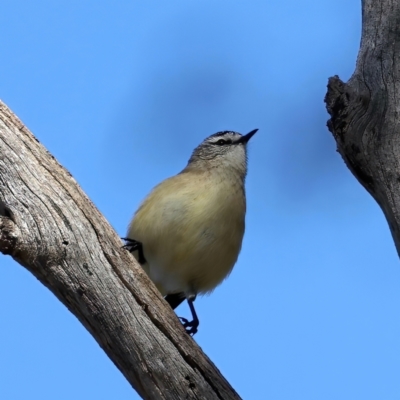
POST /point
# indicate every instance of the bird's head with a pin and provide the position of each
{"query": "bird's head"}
(226, 149)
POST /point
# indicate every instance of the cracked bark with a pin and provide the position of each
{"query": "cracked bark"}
(48, 225)
(365, 110)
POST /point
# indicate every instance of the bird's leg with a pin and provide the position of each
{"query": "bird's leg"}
(191, 326)
(175, 299)
(133, 245)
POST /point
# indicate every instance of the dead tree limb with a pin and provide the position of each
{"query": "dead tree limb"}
(365, 111)
(48, 225)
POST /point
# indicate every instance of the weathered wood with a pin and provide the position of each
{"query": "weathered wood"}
(365, 111)
(48, 225)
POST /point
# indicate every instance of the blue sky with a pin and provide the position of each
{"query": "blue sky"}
(120, 93)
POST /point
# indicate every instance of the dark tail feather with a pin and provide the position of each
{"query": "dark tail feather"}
(175, 299)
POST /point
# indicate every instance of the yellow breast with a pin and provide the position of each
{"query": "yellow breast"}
(191, 227)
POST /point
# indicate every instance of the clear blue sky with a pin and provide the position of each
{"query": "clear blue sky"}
(120, 93)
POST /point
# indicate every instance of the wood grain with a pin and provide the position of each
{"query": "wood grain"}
(48, 225)
(365, 111)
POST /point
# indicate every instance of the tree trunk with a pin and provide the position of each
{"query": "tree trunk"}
(365, 110)
(48, 225)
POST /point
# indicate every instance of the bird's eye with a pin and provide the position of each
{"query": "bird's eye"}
(221, 142)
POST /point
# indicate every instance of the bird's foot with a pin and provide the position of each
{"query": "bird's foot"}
(190, 326)
(133, 245)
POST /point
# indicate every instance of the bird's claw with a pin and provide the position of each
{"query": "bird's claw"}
(190, 326)
(133, 245)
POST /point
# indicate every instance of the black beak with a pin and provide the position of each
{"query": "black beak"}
(245, 138)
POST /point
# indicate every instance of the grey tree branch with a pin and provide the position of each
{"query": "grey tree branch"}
(48, 225)
(365, 111)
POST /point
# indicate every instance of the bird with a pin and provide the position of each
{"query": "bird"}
(187, 233)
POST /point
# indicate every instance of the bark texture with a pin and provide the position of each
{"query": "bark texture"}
(365, 110)
(48, 225)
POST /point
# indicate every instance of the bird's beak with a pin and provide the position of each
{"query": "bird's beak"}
(245, 138)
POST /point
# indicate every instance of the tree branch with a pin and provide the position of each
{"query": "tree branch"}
(48, 225)
(365, 111)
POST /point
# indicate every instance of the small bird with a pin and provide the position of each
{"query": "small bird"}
(187, 233)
